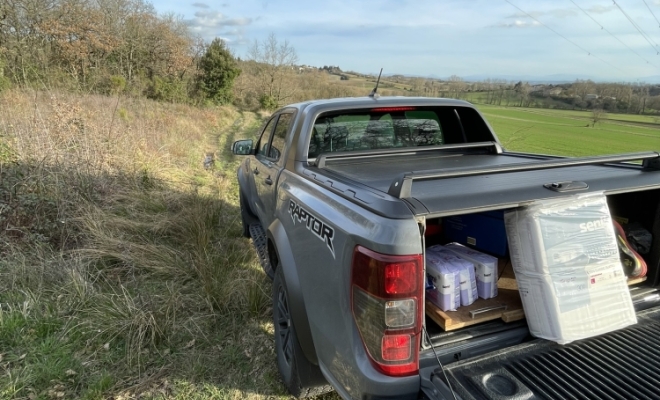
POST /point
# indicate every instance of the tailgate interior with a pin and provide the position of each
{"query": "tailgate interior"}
(618, 365)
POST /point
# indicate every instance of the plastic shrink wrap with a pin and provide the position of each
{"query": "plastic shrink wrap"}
(468, 283)
(566, 260)
(485, 268)
(446, 293)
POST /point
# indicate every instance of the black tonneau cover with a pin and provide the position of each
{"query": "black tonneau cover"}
(447, 184)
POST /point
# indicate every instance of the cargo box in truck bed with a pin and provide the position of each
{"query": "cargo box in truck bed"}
(342, 197)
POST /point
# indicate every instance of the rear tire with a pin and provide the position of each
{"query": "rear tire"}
(301, 378)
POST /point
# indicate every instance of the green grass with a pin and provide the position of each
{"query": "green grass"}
(570, 132)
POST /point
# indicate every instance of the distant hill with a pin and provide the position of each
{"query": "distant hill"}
(532, 79)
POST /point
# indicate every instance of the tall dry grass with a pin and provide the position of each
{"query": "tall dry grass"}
(122, 269)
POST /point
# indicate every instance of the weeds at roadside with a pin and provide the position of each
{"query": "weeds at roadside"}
(122, 270)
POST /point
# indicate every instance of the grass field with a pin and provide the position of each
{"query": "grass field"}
(122, 271)
(570, 132)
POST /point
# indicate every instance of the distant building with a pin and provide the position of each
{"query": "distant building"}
(591, 97)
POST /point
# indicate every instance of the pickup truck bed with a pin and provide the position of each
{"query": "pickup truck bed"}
(619, 365)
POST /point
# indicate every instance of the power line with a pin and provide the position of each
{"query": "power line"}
(611, 34)
(565, 38)
(651, 11)
(639, 29)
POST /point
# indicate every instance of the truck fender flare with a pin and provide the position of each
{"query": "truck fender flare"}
(280, 241)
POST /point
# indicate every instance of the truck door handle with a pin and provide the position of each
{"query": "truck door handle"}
(269, 181)
(256, 171)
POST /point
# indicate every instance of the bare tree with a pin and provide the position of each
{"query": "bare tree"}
(21, 40)
(78, 37)
(417, 85)
(456, 86)
(597, 114)
(274, 62)
(523, 89)
(583, 88)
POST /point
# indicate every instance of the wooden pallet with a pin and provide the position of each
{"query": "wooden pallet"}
(451, 320)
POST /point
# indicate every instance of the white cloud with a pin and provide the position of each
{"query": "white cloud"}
(518, 24)
(200, 5)
(235, 36)
(556, 13)
(216, 19)
(602, 10)
(562, 12)
(210, 24)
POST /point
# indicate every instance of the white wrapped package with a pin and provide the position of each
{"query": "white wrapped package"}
(555, 236)
(485, 266)
(446, 279)
(566, 260)
(569, 307)
(468, 280)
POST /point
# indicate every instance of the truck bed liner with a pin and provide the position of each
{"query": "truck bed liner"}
(619, 365)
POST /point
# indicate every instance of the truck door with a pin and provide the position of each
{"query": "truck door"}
(261, 148)
(270, 161)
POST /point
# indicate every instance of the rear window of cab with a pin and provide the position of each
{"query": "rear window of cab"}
(394, 127)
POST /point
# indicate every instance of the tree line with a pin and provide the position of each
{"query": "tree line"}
(618, 97)
(124, 47)
(109, 47)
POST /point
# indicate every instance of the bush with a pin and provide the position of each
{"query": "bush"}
(268, 102)
(218, 71)
(167, 89)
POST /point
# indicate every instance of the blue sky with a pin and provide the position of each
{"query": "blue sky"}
(468, 38)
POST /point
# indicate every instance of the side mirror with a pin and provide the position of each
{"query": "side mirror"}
(242, 147)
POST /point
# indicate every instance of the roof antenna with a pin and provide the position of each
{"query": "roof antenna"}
(373, 93)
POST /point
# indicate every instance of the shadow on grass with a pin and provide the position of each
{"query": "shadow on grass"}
(126, 284)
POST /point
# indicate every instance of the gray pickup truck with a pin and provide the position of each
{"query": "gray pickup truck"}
(341, 198)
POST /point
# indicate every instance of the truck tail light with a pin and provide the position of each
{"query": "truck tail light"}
(387, 294)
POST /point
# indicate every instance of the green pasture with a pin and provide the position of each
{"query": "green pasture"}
(571, 133)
